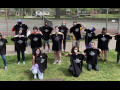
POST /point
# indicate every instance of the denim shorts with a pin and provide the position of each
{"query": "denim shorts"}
(44, 41)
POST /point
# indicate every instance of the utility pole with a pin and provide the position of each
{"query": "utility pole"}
(106, 18)
(119, 22)
(43, 16)
(77, 15)
(7, 23)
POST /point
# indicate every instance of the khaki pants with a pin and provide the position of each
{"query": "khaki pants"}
(75, 43)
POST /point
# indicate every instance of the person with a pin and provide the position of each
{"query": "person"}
(76, 60)
(19, 25)
(76, 30)
(89, 36)
(103, 40)
(39, 62)
(35, 39)
(3, 42)
(63, 29)
(46, 30)
(117, 49)
(57, 39)
(20, 45)
(92, 56)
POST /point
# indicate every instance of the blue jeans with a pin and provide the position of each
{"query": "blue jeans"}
(4, 60)
(44, 41)
(18, 55)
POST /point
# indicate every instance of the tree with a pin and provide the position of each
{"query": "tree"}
(57, 13)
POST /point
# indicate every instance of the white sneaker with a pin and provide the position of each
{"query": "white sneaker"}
(59, 62)
(25, 52)
(48, 50)
(35, 76)
(18, 62)
(23, 62)
(44, 51)
(55, 62)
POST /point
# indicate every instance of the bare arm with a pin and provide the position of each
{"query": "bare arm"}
(67, 54)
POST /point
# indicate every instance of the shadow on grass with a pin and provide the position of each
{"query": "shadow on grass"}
(66, 72)
(29, 74)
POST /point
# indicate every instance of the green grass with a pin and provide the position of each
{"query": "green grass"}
(107, 72)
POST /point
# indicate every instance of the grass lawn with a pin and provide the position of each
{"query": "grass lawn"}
(107, 72)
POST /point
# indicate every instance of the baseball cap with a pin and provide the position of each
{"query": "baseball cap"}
(19, 20)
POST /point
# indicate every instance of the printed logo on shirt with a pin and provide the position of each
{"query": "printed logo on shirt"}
(77, 60)
(35, 38)
(89, 35)
(77, 29)
(20, 28)
(20, 41)
(56, 38)
(103, 39)
(42, 60)
(1, 43)
(62, 30)
(92, 53)
(46, 30)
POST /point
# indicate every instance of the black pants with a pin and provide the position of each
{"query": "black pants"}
(64, 44)
(118, 56)
(71, 70)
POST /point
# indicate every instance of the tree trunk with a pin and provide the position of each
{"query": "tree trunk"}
(57, 13)
(20, 12)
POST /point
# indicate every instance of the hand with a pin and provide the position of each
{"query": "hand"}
(4, 38)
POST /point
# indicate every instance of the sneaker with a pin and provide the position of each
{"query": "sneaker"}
(59, 62)
(48, 50)
(18, 62)
(35, 76)
(5, 68)
(55, 62)
(23, 62)
(44, 51)
(25, 52)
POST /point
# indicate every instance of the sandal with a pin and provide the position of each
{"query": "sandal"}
(100, 60)
(105, 61)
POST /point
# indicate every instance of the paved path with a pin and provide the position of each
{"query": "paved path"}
(11, 51)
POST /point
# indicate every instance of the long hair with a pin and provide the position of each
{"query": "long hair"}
(0, 35)
(72, 50)
(34, 52)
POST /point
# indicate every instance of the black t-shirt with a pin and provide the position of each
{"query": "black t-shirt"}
(92, 55)
(20, 43)
(57, 41)
(89, 36)
(103, 41)
(76, 31)
(77, 62)
(35, 40)
(117, 38)
(46, 30)
(24, 29)
(63, 30)
(41, 60)
(3, 46)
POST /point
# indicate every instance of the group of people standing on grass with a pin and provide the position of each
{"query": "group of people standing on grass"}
(58, 37)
